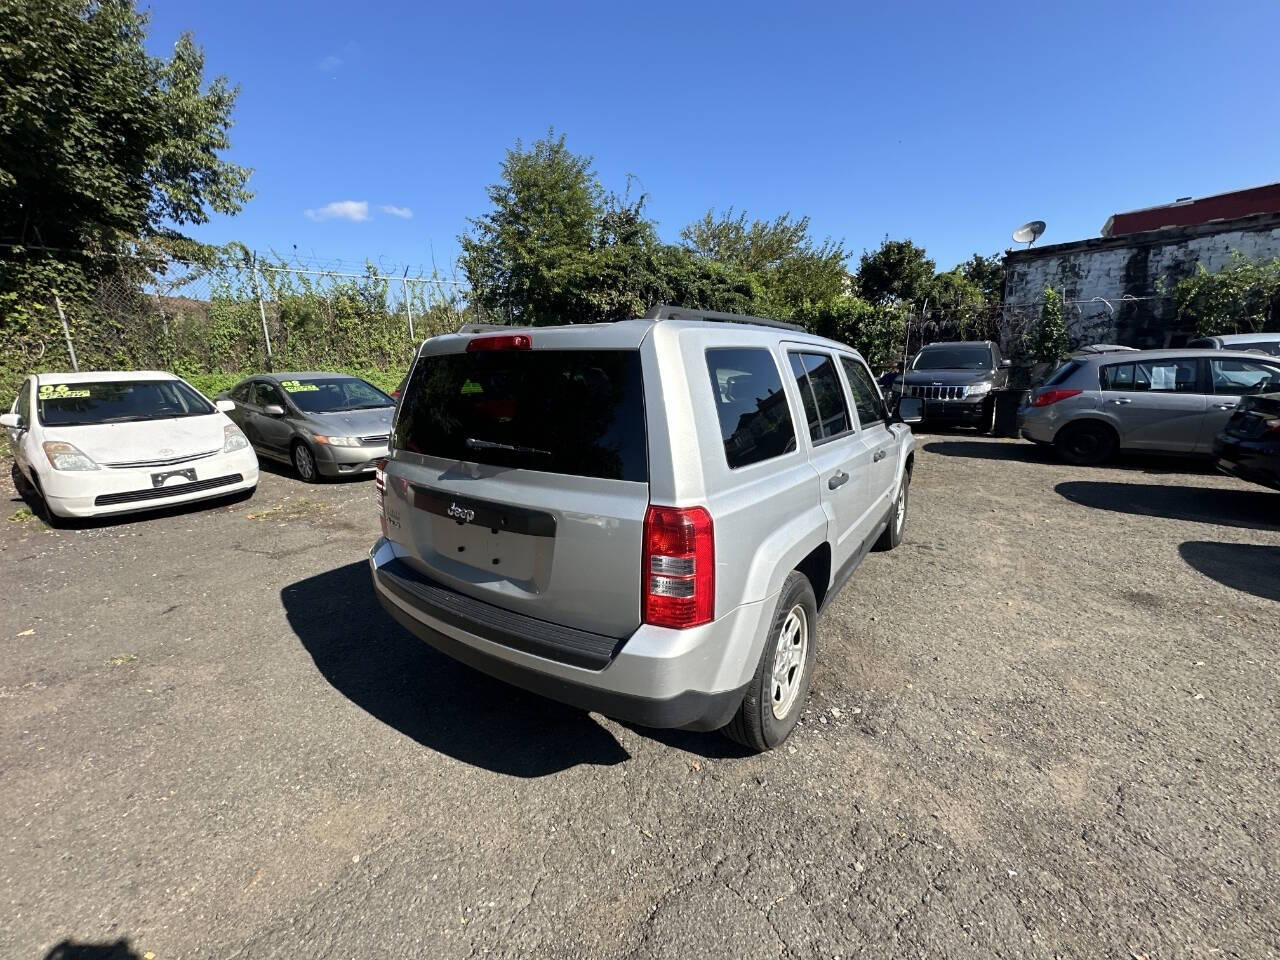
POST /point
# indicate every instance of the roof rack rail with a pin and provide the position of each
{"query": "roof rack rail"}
(666, 311)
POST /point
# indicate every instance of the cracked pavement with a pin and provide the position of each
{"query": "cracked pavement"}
(1043, 727)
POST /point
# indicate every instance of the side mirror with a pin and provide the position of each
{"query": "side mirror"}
(12, 421)
(226, 406)
(273, 410)
(911, 410)
(1006, 362)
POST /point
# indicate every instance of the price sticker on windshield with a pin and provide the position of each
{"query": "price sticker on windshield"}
(61, 391)
(297, 386)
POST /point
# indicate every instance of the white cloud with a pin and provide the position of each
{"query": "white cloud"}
(404, 213)
(331, 62)
(356, 211)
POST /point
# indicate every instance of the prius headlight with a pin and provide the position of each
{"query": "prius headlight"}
(65, 456)
(233, 439)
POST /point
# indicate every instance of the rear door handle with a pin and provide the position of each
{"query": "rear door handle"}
(838, 479)
(1122, 400)
(1225, 406)
(879, 455)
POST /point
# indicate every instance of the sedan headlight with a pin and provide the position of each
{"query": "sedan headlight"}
(978, 390)
(336, 441)
(233, 439)
(65, 456)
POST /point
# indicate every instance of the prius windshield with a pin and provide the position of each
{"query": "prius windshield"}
(975, 356)
(117, 401)
(335, 395)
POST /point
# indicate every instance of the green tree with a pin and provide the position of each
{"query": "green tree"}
(1049, 342)
(792, 271)
(102, 145)
(897, 271)
(957, 299)
(1243, 297)
(987, 274)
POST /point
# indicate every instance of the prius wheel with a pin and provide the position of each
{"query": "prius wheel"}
(777, 692)
(1085, 443)
(305, 463)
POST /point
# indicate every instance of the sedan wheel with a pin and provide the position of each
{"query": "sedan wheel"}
(305, 463)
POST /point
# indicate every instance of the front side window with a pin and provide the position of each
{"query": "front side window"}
(823, 396)
(755, 420)
(264, 394)
(23, 406)
(575, 412)
(1151, 376)
(117, 401)
(958, 356)
(866, 398)
(1238, 377)
(335, 395)
(241, 393)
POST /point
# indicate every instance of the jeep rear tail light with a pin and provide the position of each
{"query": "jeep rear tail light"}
(514, 341)
(679, 567)
(1052, 396)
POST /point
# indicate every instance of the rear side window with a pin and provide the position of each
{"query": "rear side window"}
(866, 398)
(1152, 376)
(576, 412)
(755, 421)
(823, 395)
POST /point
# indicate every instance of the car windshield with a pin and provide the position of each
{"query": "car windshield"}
(117, 401)
(335, 395)
(975, 356)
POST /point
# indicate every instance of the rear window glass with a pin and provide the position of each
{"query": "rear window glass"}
(578, 412)
(117, 401)
(755, 421)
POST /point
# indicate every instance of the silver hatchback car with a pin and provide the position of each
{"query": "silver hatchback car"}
(1156, 401)
(642, 518)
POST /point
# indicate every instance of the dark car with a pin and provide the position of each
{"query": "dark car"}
(325, 424)
(957, 382)
(1249, 445)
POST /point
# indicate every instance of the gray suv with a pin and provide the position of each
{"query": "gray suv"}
(642, 518)
(1157, 401)
(957, 380)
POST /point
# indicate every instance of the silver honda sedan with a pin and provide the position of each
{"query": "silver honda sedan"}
(1158, 401)
(325, 424)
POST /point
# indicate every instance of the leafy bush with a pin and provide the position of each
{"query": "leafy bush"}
(1243, 297)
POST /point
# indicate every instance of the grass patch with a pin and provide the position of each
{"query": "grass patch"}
(290, 510)
(121, 660)
(22, 515)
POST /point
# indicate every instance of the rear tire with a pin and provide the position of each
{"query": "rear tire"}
(781, 681)
(1086, 443)
(892, 535)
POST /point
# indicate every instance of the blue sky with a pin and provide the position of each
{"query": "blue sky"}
(949, 124)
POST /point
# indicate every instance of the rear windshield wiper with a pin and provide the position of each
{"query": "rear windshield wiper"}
(475, 444)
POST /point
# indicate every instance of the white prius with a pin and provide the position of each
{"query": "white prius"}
(115, 442)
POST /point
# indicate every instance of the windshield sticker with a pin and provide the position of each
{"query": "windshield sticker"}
(61, 392)
(471, 387)
(297, 386)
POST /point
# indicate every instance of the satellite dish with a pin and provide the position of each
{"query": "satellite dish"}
(1029, 233)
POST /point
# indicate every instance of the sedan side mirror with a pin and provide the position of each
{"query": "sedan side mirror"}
(226, 406)
(1006, 362)
(910, 410)
(273, 410)
(12, 421)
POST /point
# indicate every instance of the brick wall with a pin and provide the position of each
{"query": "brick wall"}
(1143, 266)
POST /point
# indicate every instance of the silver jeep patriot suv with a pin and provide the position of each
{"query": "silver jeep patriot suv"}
(640, 518)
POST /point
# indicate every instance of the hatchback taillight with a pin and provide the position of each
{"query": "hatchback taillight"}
(679, 567)
(1052, 396)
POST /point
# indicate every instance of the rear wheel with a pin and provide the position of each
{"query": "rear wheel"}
(1085, 443)
(305, 463)
(777, 692)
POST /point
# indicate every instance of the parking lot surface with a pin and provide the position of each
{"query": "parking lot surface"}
(1043, 727)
